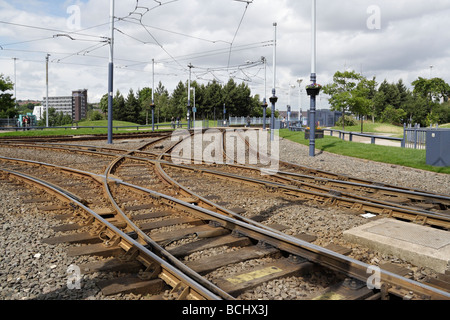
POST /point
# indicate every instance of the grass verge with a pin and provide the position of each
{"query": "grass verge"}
(69, 130)
(393, 155)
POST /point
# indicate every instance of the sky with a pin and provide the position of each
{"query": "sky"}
(219, 39)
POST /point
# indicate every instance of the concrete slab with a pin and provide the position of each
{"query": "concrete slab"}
(420, 245)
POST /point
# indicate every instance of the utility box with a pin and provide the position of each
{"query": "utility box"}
(438, 148)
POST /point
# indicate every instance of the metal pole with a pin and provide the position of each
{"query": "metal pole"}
(46, 82)
(111, 76)
(224, 113)
(193, 125)
(274, 98)
(300, 100)
(264, 104)
(153, 95)
(15, 83)
(312, 122)
(189, 98)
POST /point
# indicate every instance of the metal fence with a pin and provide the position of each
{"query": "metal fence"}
(416, 137)
(9, 122)
(243, 120)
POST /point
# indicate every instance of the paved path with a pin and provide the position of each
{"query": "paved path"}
(381, 142)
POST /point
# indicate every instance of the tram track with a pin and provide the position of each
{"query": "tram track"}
(212, 218)
(267, 243)
(412, 205)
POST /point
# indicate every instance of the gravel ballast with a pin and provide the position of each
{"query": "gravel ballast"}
(31, 269)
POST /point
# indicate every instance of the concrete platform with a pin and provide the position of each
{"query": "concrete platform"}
(420, 245)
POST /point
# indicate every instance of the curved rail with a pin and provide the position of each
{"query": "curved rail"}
(392, 283)
(193, 290)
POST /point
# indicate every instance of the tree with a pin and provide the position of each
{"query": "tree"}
(213, 99)
(360, 102)
(161, 101)
(145, 102)
(132, 109)
(7, 103)
(435, 90)
(178, 102)
(104, 104)
(118, 106)
(55, 119)
(344, 92)
(393, 116)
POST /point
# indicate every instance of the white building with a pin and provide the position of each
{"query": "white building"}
(61, 104)
(38, 111)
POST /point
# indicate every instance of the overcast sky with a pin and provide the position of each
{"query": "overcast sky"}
(388, 39)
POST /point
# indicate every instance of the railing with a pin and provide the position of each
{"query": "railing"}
(373, 138)
(350, 135)
(196, 124)
(243, 120)
(413, 137)
(181, 125)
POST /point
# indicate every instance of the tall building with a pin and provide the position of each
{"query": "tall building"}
(79, 110)
(75, 105)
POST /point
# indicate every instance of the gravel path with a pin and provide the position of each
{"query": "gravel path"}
(31, 269)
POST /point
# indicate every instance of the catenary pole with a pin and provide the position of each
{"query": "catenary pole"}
(111, 75)
(46, 83)
(190, 66)
(274, 98)
(153, 95)
(312, 122)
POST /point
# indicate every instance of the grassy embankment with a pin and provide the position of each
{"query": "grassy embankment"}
(393, 155)
(69, 130)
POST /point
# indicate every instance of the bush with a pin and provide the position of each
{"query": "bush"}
(96, 116)
(349, 121)
(393, 116)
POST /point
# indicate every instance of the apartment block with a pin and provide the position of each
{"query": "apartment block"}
(74, 105)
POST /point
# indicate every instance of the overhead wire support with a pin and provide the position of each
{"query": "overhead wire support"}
(239, 26)
(111, 74)
(190, 66)
(274, 98)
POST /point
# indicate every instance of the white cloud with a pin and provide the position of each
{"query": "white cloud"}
(413, 35)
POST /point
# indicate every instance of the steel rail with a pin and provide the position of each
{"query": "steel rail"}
(314, 253)
(126, 242)
(331, 175)
(371, 205)
(323, 185)
(392, 283)
(354, 202)
(321, 181)
(155, 246)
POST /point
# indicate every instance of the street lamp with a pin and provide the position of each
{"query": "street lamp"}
(110, 74)
(15, 83)
(299, 81)
(46, 83)
(312, 121)
(291, 86)
(264, 104)
(152, 106)
(274, 99)
(190, 66)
